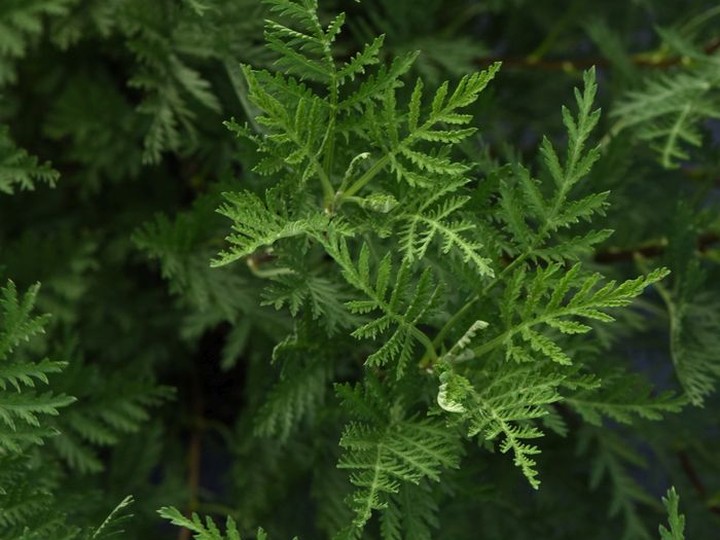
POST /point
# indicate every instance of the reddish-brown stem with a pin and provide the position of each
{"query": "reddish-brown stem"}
(194, 455)
(644, 60)
(695, 480)
(649, 251)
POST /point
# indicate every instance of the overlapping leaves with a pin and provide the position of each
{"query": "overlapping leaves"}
(22, 407)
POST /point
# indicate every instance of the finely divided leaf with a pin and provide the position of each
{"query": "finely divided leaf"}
(257, 226)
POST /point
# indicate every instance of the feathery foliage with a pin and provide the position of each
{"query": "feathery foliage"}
(669, 111)
(23, 409)
(693, 315)
(350, 270)
(381, 296)
(384, 449)
(675, 519)
(205, 530)
(18, 168)
(21, 24)
(612, 463)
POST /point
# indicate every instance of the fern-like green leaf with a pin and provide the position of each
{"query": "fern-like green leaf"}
(304, 50)
(18, 323)
(295, 397)
(322, 296)
(504, 405)
(675, 519)
(440, 216)
(693, 343)
(111, 527)
(108, 407)
(205, 529)
(669, 110)
(181, 247)
(22, 408)
(257, 226)
(18, 168)
(621, 397)
(383, 456)
(170, 87)
(24, 494)
(406, 156)
(530, 216)
(357, 64)
(411, 514)
(549, 301)
(577, 161)
(693, 314)
(402, 306)
(377, 84)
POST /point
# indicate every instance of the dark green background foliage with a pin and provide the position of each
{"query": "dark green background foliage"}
(259, 263)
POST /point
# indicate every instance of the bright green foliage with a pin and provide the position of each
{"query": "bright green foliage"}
(25, 489)
(440, 215)
(675, 519)
(23, 409)
(205, 530)
(531, 306)
(549, 301)
(402, 305)
(258, 226)
(385, 450)
(505, 406)
(299, 289)
(404, 151)
(346, 269)
(532, 218)
(414, 190)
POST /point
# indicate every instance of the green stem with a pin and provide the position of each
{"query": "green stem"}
(328, 146)
(452, 322)
(490, 345)
(328, 191)
(430, 351)
(361, 182)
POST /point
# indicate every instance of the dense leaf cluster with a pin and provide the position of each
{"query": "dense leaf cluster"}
(358, 274)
